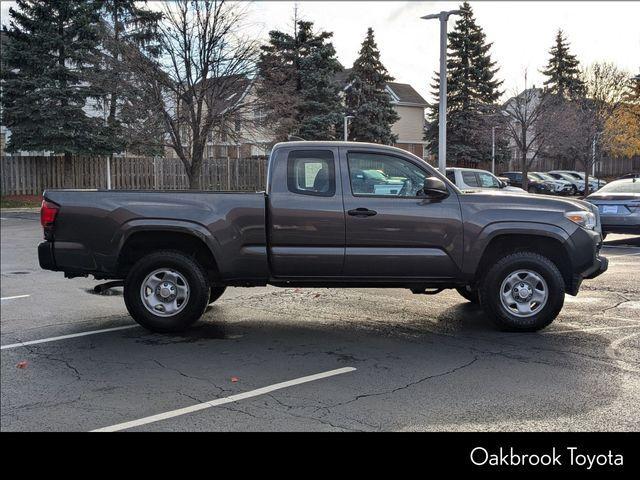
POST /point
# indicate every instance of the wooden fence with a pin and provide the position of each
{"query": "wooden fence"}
(32, 175)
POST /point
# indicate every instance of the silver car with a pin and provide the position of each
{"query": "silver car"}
(619, 205)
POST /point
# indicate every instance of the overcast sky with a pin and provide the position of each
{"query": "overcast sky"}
(521, 32)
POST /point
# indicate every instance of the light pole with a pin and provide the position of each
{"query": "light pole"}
(442, 114)
(346, 126)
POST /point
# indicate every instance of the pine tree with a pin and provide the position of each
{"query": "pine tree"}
(126, 24)
(297, 87)
(472, 91)
(50, 43)
(563, 70)
(367, 99)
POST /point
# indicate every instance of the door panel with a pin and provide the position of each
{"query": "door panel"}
(306, 215)
(409, 235)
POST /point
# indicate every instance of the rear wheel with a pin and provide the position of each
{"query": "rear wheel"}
(523, 292)
(166, 291)
(469, 294)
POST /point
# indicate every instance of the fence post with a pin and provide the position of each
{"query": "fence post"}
(108, 172)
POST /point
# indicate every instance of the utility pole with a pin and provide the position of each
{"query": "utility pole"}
(442, 113)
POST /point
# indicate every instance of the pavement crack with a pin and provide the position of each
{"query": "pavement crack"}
(404, 387)
(191, 377)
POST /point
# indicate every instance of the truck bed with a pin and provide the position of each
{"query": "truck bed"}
(92, 226)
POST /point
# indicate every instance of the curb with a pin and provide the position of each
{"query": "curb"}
(20, 210)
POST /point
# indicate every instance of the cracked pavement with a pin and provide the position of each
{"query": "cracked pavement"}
(423, 362)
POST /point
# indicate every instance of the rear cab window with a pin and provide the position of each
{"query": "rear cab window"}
(311, 172)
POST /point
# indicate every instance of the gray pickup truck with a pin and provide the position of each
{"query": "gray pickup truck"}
(335, 214)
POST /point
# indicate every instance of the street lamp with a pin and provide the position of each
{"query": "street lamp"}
(346, 126)
(442, 117)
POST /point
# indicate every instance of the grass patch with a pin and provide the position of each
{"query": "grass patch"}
(20, 201)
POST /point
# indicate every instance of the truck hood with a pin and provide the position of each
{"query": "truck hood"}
(528, 200)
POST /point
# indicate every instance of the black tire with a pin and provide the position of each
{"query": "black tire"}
(574, 191)
(196, 281)
(472, 295)
(493, 280)
(215, 293)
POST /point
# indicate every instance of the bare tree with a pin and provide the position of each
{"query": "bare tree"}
(606, 86)
(524, 113)
(197, 86)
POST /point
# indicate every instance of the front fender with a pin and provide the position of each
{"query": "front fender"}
(475, 248)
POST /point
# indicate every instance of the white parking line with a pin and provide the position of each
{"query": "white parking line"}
(14, 297)
(222, 401)
(64, 337)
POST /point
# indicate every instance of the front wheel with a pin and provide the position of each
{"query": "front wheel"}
(166, 291)
(523, 292)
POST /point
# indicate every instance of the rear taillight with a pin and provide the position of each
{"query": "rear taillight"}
(48, 213)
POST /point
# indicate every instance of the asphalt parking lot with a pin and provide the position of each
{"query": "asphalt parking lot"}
(313, 359)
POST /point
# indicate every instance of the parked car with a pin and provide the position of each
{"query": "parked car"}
(561, 187)
(474, 179)
(576, 182)
(619, 206)
(594, 183)
(317, 226)
(535, 185)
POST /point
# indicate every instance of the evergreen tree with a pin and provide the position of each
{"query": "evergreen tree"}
(563, 70)
(50, 44)
(472, 91)
(297, 87)
(126, 24)
(367, 99)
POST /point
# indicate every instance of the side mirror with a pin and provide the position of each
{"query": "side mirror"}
(502, 184)
(435, 188)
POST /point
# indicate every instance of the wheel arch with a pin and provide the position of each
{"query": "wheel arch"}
(143, 237)
(501, 239)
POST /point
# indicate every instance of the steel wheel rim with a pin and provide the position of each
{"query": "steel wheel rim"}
(524, 293)
(164, 292)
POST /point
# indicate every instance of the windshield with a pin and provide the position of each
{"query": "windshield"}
(621, 186)
(568, 177)
(545, 176)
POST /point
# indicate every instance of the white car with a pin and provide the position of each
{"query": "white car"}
(577, 183)
(561, 187)
(594, 183)
(475, 179)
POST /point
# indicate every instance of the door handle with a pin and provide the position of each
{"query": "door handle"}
(362, 212)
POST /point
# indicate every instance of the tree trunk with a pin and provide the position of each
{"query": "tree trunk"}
(68, 170)
(195, 169)
(586, 180)
(525, 171)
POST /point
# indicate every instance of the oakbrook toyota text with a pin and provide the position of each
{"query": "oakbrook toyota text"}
(572, 457)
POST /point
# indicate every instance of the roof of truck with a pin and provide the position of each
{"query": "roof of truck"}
(337, 143)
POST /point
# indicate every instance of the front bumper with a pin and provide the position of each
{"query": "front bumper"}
(585, 257)
(599, 267)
